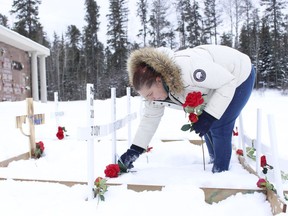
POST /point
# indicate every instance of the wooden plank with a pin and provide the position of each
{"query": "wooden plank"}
(67, 183)
(23, 156)
(277, 205)
(212, 195)
(246, 166)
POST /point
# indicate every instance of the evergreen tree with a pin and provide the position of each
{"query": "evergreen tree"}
(91, 46)
(274, 16)
(71, 72)
(284, 59)
(249, 37)
(53, 70)
(142, 12)
(183, 9)
(244, 40)
(28, 24)
(211, 20)
(160, 26)
(62, 67)
(3, 20)
(194, 27)
(171, 39)
(265, 57)
(118, 43)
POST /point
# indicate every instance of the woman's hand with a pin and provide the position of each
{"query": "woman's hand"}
(204, 123)
(126, 161)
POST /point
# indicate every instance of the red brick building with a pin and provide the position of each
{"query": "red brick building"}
(22, 66)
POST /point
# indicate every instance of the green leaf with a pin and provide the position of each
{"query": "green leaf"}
(189, 109)
(186, 127)
(102, 198)
(123, 168)
(191, 129)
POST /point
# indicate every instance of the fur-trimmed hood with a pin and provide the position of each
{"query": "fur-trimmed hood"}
(161, 60)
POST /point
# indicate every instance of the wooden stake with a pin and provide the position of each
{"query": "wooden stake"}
(203, 155)
(30, 113)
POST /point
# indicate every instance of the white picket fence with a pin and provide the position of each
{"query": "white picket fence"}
(92, 131)
(261, 149)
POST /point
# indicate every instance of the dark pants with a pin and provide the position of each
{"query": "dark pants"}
(219, 137)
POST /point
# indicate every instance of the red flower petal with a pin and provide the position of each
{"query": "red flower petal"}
(261, 183)
(263, 161)
(193, 117)
(97, 181)
(193, 99)
(112, 170)
(60, 135)
(239, 152)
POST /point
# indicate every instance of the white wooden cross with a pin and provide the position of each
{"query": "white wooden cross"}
(33, 119)
(92, 131)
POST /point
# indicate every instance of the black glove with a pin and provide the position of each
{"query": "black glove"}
(126, 161)
(203, 125)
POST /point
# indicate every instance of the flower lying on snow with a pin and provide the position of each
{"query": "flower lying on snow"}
(100, 188)
(112, 171)
(39, 149)
(264, 183)
(60, 133)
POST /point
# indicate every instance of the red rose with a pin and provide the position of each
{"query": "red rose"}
(97, 181)
(193, 99)
(41, 146)
(263, 161)
(112, 170)
(261, 183)
(193, 117)
(239, 152)
(60, 134)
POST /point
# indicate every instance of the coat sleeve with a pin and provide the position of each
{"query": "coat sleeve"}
(148, 124)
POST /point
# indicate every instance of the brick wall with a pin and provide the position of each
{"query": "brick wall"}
(15, 74)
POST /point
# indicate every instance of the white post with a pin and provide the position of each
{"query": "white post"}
(241, 134)
(34, 71)
(90, 141)
(113, 119)
(43, 84)
(56, 108)
(258, 141)
(277, 172)
(128, 90)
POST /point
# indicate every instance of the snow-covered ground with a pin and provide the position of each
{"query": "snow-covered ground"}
(176, 164)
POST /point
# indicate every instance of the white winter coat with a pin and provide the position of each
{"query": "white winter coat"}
(211, 69)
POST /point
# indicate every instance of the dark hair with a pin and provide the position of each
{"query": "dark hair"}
(144, 75)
